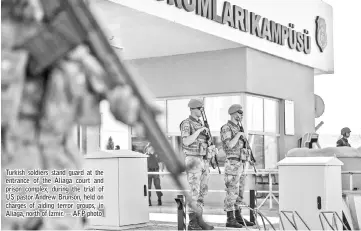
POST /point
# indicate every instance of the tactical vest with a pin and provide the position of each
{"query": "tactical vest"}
(237, 149)
(199, 146)
(344, 142)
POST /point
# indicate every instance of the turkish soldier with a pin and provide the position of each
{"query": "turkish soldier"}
(198, 155)
(39, 112)
(236, 157)
(154, 165)
(343, 142)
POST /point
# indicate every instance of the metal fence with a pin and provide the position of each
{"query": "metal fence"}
(270, 173)
(271, 193)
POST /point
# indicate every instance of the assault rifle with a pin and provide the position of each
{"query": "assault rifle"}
(245, 140)
(69, 23)
(210, 138)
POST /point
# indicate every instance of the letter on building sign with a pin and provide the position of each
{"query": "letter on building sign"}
(215, 16)
(245, 21)
(266, 31)
(178, 3)
(204, 8)
(284, 34)
(300, 44)
(238, 18)
(292, 38)
(189, 5)
(255, 30)
(307, 42)
(227, 14)
(276, 32)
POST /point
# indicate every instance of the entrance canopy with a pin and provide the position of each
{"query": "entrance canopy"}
(297, 30)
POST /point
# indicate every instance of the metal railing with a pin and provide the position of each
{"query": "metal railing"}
(351, 173)
(270, 192)
(293, 221)
(332, 225)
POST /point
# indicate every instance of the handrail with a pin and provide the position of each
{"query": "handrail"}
(334, 215)
(270, 193)
(351, 173)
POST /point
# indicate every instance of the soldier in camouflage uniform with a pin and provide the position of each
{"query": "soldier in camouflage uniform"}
(39, 112)
(343, 142)
(237, 156)
(198, 155)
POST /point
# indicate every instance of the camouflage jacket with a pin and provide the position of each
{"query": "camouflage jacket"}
(198, 147)
(228, 131)
(343, 142)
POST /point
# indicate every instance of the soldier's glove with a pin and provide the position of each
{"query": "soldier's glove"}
(212, 151)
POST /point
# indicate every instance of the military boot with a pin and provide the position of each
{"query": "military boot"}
(202, 223)
(160, 201)
(240, 220)
(231, 221)
(150, 202)
(193, 222)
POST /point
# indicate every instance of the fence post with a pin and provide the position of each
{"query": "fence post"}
(252, 204)
(181, 212)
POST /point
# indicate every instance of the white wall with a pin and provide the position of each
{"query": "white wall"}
(194, 74)
(272, 76)
(301, 13)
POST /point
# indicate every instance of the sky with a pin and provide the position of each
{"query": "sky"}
(341, 91)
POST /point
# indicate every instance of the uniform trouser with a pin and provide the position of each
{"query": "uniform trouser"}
(197, 169)
(155, 178)
(234, 179)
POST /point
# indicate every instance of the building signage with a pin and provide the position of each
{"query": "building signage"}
(241, 19)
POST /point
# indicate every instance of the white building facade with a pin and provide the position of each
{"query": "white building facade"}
(262, 54)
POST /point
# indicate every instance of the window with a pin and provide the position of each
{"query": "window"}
(289, 117)
(263, 128)
(270, 119)
(138, 143)
(162, 118)
(254, 113)
(216, 109)
(261, 121)
(270, 151)
(75, 135)
(257, 144)
(111, 128)
(87, 139)
(177, 111)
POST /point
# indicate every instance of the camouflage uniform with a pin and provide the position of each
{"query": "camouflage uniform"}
(343, 142)
(237, 157)
(38, 113)
(234, 176)
(197, 163)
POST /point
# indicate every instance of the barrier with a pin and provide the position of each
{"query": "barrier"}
(270, 192)
(182, 218)
(293, 222)
(181, 207)
(351, 173)
(255, 213)
(333, 226)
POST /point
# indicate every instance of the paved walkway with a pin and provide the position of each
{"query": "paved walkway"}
(165, 217)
